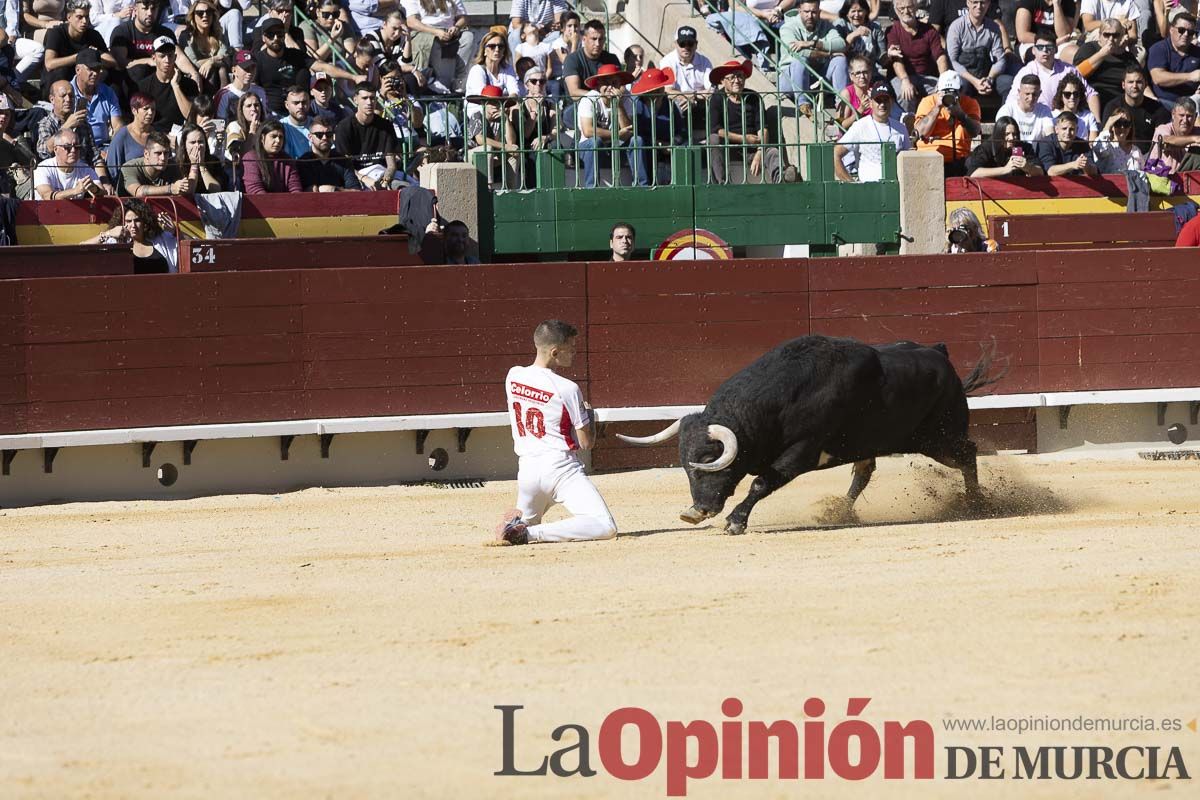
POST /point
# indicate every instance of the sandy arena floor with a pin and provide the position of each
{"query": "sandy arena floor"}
(352, 643)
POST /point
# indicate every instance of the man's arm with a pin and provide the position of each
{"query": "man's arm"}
(839, 169)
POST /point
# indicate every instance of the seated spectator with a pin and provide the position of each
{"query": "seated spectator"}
(492, 67)
(1035, 119)
(107, 15)
(280, 67)
(739, 128)
(62, 176)
(370, 141)
(25, 58)
(241, 133)
(1066, 153)
(406, 115)
(1175, 62)
(1092, 14)
(862, 35)
(1114, 149)
(1178, 142)
(1139, 108)
(204, 117)
(196, 161)
(948, 123)
(40, 17)
(391, 43)
(490, 130)
(99, 101)
(295, 124)
(63, 43)
(172, 90)
(586, 61)
(635, 60)
(266, 168)
(155, 250)
(1104, 62)
(153, 175)
(599, 129)
(654, 118)
(812, 47)
(130, 142)
(327, 28)
(203, 42)
(545, 15)
(322, 169)
(854, 101)
(325, 103)
(976, 51)
(566, 44)
(1060, 16)
(866, 137)
(62, 117)
(283, 13)
(769, 12)
(536, 123)
(533, 48)
(691, 89)
(943, 12)
(1070, 97)
(1004, 155)
(915, 55)
(133, 41)
(17, 158)
(245, 69)
(1050, 71)
(964, 234)
(442, 43)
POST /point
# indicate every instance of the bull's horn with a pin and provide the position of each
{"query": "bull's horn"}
(646, 441)
(726, 437)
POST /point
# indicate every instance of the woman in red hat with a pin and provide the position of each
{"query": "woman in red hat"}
(606, 122)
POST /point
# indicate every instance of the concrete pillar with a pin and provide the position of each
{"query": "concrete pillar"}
(462, 195)
(922, 202)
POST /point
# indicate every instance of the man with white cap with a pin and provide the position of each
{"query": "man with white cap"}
(948, 122)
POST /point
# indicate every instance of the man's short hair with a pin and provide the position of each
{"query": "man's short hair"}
(1133, 67)
(1031, 80)
(1186, 16)
(297, 89)
(594, 25)
(553, 333)
(1067, 115)
(1187, 104)
(159, 138)
(458, 223)
(618, 226)
(806, 2)
(568, 16)
(1045, 32)
(363, 86)
(62, 136)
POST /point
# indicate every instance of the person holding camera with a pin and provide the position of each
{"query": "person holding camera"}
(62, 177)
(964, 234)
(1004, 155)
(948, 122)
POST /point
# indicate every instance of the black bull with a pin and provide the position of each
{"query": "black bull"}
(818, 402)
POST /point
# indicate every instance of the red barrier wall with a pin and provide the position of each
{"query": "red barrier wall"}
(131, 351)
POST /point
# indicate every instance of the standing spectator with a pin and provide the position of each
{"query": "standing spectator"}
(322, 169)
(1050, 70)
(369, 15)
(866, 137)
(370, 140)
(1060, 16)
(948, 122)
(1065, 153)
(863, 36)
(585, 62)
(245, 69)
(129, 142)
(1103, 63)
(196, 162)
(1114, 149)
(621, 240)
(811, 47)
(26, 55)
(61, 176)
(64, 116)
(1070, 97)
(295, 124)
(203, 42)
(1034, 118)
(172, 90)
(976, 51)
(545, 15)
(738, 127)
(442, 43)
(1004, 155)
(391, 43)
(492, 68)
(1136, 105)
(153, 175)
(241, 132)
(458, 239)
(64, 42)
(1177, 142)
(100, 101)
(133, 41)
(915, 55)
(606, 120)
(1175, 62)
(267, 169)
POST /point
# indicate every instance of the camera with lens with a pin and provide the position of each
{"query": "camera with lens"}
(958, 236)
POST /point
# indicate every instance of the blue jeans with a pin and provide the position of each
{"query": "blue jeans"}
(797, 80)
(633, 151)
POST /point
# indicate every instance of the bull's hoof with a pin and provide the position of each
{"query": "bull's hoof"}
(734, 528)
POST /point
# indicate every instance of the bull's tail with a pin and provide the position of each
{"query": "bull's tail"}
(981, 375)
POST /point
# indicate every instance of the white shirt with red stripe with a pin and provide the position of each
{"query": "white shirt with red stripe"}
(545, 409)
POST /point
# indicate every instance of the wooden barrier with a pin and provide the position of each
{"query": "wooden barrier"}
(1083, 231)
(219, 255)
(56, 262)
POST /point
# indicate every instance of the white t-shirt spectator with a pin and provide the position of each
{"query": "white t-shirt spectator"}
(538, 52)
(48, 174)
(864, 140)
(599, 109)
(479, 77)
(692, 77)
(1103, 9)
(1034, 125)
(435, 20)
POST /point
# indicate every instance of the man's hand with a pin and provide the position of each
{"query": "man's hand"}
(756, 163)
(907, 90)
(181, 186)
(75, 119)
(1081, 163)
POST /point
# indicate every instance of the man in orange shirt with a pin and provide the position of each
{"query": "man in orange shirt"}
(948, 122)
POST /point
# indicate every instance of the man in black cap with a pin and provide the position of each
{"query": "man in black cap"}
(100, 101)
(280, 67)
(691, 89)
(867, 136)
(170, 89)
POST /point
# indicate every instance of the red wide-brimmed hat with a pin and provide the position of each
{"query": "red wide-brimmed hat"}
(653, 78)
(609, 71)
(718, 74)
(489, 92)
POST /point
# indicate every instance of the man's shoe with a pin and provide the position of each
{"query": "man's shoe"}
(789, 174)
(512, 529)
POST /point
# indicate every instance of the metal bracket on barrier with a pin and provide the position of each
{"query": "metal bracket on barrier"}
(422, 435)
(147, 451)
(463, 434)
(1193, 412)
(285, 445)
(188, 446)
(48, 454)
(9, 455)
(326, 440)
(1064, 412)
(1162, 414)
